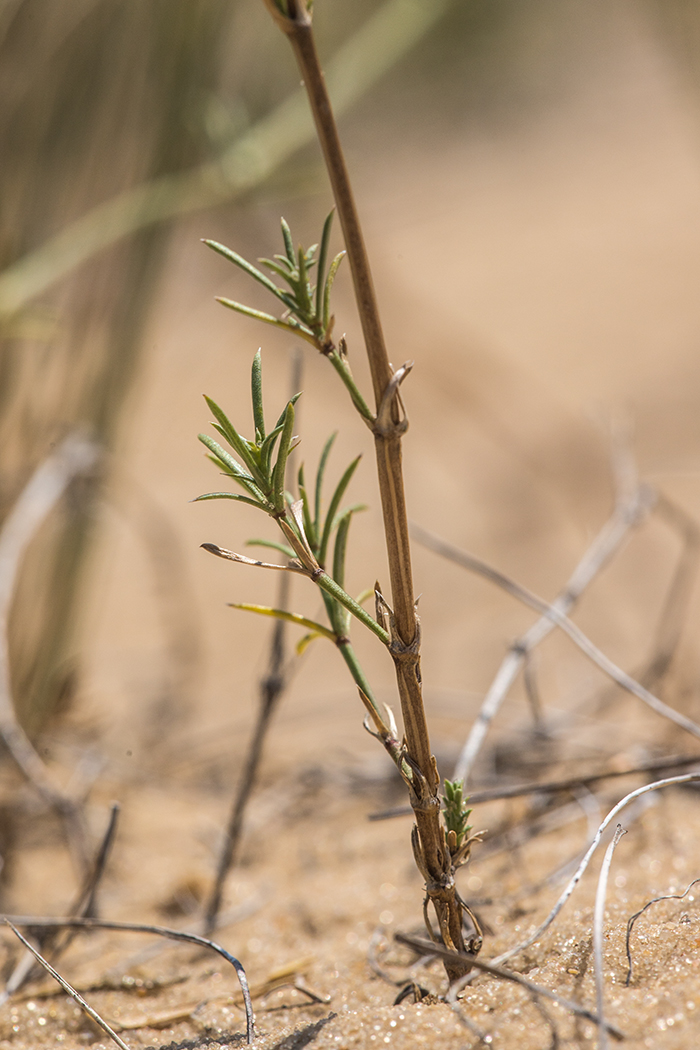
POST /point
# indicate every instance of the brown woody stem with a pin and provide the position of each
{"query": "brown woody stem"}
(432, 855)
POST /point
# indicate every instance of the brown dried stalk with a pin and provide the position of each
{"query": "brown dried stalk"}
(432, 854)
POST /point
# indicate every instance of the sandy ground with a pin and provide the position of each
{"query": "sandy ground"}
(544, 279)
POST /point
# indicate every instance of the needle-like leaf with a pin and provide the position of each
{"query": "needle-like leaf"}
(233, 468)
(253, 271)
(280, 269)
(341, 542)
(230, 495)
(303, 307)
(288, 243)
(308, 522)
(277, 322)
(238, 444)
(321, 271)
(282, 455)
(256, 392)
(319, 480)
(333, 270)
(333, 509)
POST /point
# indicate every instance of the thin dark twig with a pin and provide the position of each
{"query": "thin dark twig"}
(428, 948)
(45, 923)
(86, 903)
(69, 988)
(630, 509)
(598, 917)
(553, 613)
(633, 918)
(552, 786)
(271, 689)
(83, 907)
(42, 492)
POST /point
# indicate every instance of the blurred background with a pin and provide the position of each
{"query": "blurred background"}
(529, 175)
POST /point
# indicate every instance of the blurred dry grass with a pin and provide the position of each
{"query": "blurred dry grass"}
(96, 97)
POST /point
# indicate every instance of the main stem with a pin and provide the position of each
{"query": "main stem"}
(432, 854)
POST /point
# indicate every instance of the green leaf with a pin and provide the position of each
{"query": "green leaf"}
(229, 495)
(341, 540)
(282, 614)
(455, 810)
(288, 244)
(327, 290)
(292, 401)
(256, 274)
(356, 508)
(238, 443)
(256, 391)
(268, 445)
(308, 523)
(282, 455)
(234, 469)
(282, 547)
(333, 509)
(284, 273)
(277, 322)
(321, 272)
(319, 480)
(303, 291)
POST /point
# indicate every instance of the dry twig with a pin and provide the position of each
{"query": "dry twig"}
(83, 907)
(633, 918)
(551, 786)
(428, 948)
(629, 511)
(554, 614)
(44, 923)
(686, 778)
(92, 1014)
(598, 917)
